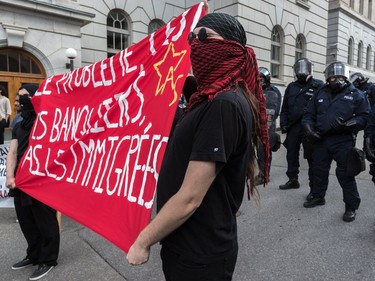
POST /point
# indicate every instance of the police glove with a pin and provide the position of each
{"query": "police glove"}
(312, 136)
(369, 149)
(338, 124)
(284, 129)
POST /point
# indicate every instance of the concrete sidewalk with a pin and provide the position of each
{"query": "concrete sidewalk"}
(279, 240)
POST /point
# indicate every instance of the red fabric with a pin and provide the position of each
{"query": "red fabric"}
(97, 144)
(220, 64)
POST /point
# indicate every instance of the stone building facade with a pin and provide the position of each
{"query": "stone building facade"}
(34, 34)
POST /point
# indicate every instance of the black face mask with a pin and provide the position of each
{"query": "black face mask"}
(336, 85)
(263, 83)
(302, 78)
(25, 103)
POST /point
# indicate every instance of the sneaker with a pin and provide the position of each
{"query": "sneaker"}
(22, 264)
(349, 214)
(317, 201)
(292, 183)
(41, 271)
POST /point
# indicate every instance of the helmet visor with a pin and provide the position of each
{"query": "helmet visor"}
(302, 67)
(336, 69)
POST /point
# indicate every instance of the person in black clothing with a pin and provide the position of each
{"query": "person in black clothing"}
(38, 221)
(296, 97)
(202, 180)
(273, 103)
(361, 83)
(332, 120)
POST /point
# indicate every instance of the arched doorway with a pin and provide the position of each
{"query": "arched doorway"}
(18, 67)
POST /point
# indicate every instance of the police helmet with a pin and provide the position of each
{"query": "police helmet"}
(303, 66)
(336, 69)
(303, 69)
(358, 79)
(265, 73)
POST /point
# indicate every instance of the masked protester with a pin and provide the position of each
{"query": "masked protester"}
(296, 97)
(38, 221)
(210, 155)
(333, 118)
(273, 103)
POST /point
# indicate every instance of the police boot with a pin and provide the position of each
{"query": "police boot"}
(349, 214)
(309, 196)
(292, 183)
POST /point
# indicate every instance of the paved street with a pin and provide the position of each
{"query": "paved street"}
(279, 239)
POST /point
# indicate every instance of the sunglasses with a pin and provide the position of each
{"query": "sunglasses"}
(202, 35)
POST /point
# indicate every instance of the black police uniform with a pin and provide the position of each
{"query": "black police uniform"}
(273, 104)
(369, 89)
(322, 111)
(294, 104)
(370, 134)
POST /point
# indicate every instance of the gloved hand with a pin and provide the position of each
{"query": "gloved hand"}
(312, 136)
(338, 124)
(369, 149)
(284, 129)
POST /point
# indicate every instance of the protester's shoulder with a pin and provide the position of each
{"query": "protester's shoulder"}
(233, 98)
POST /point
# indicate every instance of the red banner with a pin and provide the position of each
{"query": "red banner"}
(97, 144)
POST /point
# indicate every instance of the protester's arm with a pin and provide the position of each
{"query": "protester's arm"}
(8, 111)
(11, 164)
(198, 178)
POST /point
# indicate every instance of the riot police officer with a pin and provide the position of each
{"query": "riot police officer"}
(360, 82)
(273, 103)
(296, 97)
(369, 143)
(333, 118)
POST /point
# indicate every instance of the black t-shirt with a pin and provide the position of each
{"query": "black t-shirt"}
(22, 136)
(216, 131)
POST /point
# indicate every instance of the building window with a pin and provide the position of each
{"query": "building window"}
(360, 52)
(118, 32)
(12, 60)
(370, 9)
(276, 52)
(300, 46)
(368, 57)
(350, 51)
(361, 6)
(155, 25)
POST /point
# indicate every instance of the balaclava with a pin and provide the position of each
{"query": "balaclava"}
(28, 113)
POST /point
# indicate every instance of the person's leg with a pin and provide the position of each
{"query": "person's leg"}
(293, 145)
(348, 184)
(29, 230)
(178, 268)
(2, 128)
(322, 163)
(49, 228)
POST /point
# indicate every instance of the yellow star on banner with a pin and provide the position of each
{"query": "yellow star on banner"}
(168, 73)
